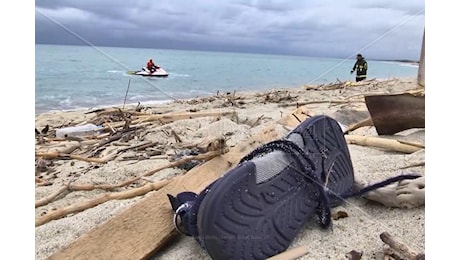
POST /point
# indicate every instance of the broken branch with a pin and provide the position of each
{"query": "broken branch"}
(389, 144)
(81, 206)
(401, 247)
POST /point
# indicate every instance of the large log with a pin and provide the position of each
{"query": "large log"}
(140, 231)
(394, 113)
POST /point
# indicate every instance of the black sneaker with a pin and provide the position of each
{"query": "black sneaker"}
(256, 209)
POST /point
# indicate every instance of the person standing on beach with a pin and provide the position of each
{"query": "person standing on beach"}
(360, 67)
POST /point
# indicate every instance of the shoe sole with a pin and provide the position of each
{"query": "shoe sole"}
(240, 219)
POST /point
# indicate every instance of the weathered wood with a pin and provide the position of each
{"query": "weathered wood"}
(294, 118)
(320, 102)
(69, 156)
(364, 122)
(421, 64)
(165, 118)
(138, 232)
(394, 113)
(401, 247)
(51, 197)
(390, 144)
(291, 254)
(80, 206)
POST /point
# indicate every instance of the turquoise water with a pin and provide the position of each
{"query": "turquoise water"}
(72, 77)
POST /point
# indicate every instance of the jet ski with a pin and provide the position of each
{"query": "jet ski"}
(159, 72)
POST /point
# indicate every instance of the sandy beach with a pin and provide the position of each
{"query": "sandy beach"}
(156, 140)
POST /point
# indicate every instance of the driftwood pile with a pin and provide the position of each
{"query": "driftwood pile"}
(123, 136)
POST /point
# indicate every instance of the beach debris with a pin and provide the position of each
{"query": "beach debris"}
(81, 206)
(400, 247)
(278, 96)
(116, 139)
(176, 136)
(251, 121)
(127, 128)
(294, 118)
(339, 214)
(338, 84)
(42, 182)
(189, 164)
(354, 255)
(41, 165)
(291, 254)
(78, 131)
(418, 164)
(385, 143)
(389, 253)
(45, 200)
(45, 129)
(154, 207)
(107, 187)
(54, 155)
(328, 101)
(396, 112)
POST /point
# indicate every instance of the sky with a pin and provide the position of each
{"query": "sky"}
(379, 29)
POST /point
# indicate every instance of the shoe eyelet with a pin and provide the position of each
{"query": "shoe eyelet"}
(181, 210)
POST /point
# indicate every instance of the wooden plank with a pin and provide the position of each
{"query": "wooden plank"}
(140, 231)
(294, 118)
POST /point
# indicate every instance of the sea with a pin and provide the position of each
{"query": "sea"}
(71, 77)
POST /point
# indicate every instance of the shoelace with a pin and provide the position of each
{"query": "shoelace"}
(186, 206)
(311, 174)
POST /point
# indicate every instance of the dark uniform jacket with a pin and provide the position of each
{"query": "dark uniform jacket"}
(361, 68)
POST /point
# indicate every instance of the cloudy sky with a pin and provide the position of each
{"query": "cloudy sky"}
(380, 29)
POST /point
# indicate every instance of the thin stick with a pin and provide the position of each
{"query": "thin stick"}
(205, 156)
(49, 198)
(364, 122)
(293, 254)
(129, 81)
(53, 155)
(81, 206)
(391, 144)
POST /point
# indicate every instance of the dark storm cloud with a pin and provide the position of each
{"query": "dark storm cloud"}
(315, 28)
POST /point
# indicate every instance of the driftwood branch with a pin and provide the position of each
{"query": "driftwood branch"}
(401, 247)
(321, 101)
(389, 144)
(87, 187)
(364, 122)
(81, 206)
(51, 197)
(257, 121)
(291, 254)
(69, 156)
(165, 118)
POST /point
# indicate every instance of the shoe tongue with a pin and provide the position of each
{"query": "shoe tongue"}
(180, 199)
(274, 162)
(188, 215)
